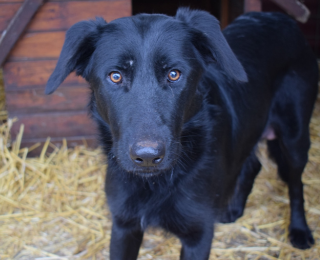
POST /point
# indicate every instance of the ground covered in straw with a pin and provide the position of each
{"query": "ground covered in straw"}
(53, 207)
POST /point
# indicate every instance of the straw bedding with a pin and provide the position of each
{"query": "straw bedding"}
(54, 207)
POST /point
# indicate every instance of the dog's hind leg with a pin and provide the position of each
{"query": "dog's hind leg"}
(249, 171)
(290, 117)
(291, 158)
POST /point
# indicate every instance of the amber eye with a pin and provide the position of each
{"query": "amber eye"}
(115, 77)
(174, 75)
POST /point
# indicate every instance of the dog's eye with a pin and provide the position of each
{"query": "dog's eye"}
(174, 75)
(115, 77)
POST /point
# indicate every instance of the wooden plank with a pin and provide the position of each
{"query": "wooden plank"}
(34, 74)
(51, 17)
(54, 16)
(61, 125)
(17, 26)
(11, 1)
(7, 11)
(62, 15)
(40, 45)
(294, 8)
(21, 1)
(252, 6)
(34, 100)
(224, 21)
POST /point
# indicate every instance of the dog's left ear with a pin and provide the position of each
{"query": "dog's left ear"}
(210, 41)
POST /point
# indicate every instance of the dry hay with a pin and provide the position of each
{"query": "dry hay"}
(53, 207)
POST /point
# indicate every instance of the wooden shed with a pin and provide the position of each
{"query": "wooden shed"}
(33, 58)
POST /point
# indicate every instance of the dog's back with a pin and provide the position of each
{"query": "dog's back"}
(278, 101)
(272, 41)
(270, 46)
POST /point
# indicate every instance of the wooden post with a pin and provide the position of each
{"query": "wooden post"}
(294, 8)
(224, 21)
(252, 6)
(16, 26)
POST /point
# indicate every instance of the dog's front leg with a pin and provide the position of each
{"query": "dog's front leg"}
(125, 242)
(196, 244)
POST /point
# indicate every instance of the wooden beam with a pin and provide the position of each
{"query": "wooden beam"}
(60, 16)
(29, 101)
(252, 6)
(34, 75)
(56, 124)
(224, 21)
(37, 45)
(294, 8)
(16, 27)
(7, 11)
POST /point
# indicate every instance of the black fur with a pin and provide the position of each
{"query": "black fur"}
(256, 80)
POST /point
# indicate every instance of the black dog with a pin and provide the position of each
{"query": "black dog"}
(180, 109)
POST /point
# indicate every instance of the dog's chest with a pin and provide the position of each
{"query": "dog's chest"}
(164, 216)
(172, 212)
(155, 210)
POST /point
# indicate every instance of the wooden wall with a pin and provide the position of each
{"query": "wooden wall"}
(62, 114)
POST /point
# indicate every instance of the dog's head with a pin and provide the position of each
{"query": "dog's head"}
(144, 72)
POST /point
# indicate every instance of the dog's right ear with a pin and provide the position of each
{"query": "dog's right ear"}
(77, 49)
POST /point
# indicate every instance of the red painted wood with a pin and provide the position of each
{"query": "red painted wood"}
(57, 124)
(64, 113)
(62, 15)
(252, 6)
(16, 26)
(43, 45)
(294, 8)
(224, 20)
(34, 74)
(29, 101)
(7, 11)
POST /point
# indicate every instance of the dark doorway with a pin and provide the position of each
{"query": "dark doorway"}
(170, 7)
(227, 10)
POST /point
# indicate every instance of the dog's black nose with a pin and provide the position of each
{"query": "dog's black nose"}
(147, 153)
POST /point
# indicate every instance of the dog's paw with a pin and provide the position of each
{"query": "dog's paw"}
(231, 215)
(301, 238)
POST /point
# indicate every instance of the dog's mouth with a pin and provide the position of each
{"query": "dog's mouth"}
(148, 173)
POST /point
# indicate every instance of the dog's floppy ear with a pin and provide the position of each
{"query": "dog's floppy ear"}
(212, 41)
(76, 51)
